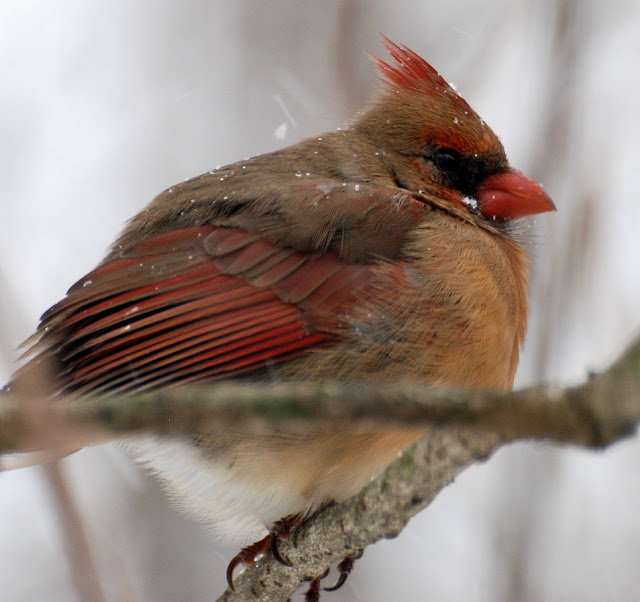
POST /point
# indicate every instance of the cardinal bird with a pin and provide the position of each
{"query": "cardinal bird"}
(385, 251)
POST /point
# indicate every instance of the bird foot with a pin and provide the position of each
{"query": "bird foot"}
(247, 556)
(344, 568)
(279, 531)
(313, 593)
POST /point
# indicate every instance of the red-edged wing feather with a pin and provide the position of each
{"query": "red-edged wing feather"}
(193, 305)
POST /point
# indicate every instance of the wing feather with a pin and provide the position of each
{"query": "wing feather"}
(195, 304)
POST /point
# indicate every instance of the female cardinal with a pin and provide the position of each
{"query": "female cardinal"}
(384, 251)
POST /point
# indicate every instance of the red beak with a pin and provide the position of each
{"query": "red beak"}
(511, 195)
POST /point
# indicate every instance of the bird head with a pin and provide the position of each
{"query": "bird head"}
(436, 146)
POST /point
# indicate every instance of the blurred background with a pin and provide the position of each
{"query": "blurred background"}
(105, 104)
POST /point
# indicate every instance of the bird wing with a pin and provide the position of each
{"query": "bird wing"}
(191, 305)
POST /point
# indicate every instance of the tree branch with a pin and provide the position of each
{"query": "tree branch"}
(595, 413)
(460, 427)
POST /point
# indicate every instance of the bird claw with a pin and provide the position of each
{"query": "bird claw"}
(274, 538)
(345, 567)
(281, 530)
(247, 556)
(313, 593)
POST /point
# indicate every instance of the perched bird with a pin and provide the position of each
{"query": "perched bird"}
(384, 251)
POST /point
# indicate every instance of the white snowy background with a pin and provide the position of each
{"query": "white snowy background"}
(103, 104)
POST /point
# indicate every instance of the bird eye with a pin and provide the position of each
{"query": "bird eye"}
(447, 160)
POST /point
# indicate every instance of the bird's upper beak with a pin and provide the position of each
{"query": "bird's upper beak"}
(511, 195)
